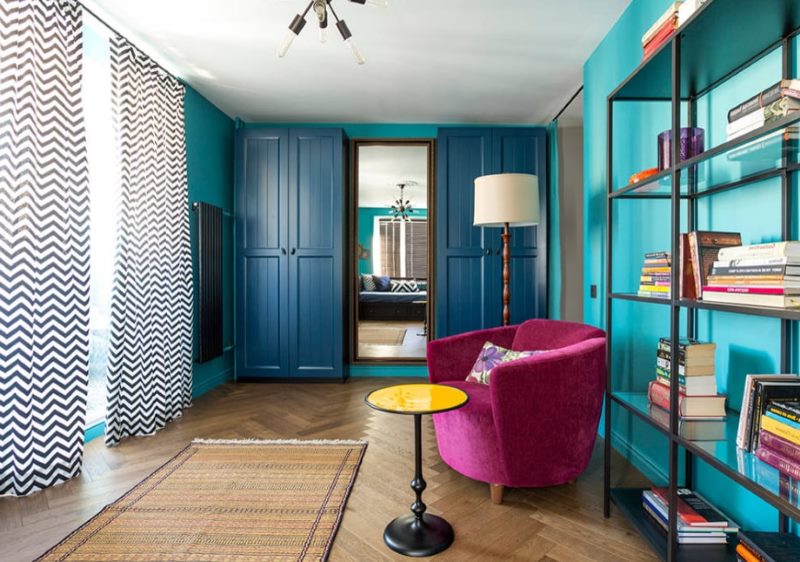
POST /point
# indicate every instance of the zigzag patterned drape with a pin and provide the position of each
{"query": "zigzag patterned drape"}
(150, 349)
(44, 245)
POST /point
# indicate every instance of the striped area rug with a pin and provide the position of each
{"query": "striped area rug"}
(227, 500)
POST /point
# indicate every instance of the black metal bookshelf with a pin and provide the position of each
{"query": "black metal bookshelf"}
(700, 56)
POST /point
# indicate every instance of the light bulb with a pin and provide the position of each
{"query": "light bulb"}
(286, 43)
(323, 34)
(356, 53)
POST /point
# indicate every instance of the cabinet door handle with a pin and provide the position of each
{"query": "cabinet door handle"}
(294, 251)
(487, 252)
(283, 251)
(499, 251)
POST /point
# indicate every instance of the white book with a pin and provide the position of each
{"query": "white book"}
(756, 262)
(671, 12)
(687, 9)
(786, 249)
(747, 398)
(746, 123)
(749, 299)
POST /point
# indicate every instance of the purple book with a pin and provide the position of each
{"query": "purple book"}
(783, 463)
(779, 445)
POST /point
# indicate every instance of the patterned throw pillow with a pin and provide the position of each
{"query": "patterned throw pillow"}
(403, 286)
(382, 282)
(368, 282)
(490, 357)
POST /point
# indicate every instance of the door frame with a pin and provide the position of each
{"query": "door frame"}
(352, 241)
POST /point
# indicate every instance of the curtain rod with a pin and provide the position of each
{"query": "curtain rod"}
(114, 30)
(566, 105)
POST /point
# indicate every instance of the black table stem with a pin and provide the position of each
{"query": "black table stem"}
(418, 483)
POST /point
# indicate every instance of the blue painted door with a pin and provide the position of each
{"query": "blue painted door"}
(469, 260)
(262, 262)
(464, 301)
(316, 219)
(524, 151)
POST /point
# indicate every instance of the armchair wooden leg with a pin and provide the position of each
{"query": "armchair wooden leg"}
(496, 491)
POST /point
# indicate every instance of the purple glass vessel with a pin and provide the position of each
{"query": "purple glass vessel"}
(692, 144)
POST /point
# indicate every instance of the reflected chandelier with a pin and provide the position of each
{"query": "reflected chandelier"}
(402, 207)
(321, 9)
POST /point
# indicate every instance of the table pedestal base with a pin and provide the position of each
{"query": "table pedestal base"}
(412, 537)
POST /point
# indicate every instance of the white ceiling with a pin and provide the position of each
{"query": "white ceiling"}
(382, 167)
(428, 61)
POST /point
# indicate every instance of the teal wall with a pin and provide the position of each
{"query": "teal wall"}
(642, 226)
(366, 229)
(209, 161)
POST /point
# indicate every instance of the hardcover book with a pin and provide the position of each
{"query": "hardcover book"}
(779, 445)
(766, 392)
(772, 547)
(788, 88)
(688, 289)
(704, 247)
(785, 249)
(746, 411)
(693, 510)
(696, 407)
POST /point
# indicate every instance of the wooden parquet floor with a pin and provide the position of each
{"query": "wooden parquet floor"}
(563, 523)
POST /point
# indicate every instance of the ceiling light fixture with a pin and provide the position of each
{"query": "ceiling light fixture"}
(321, 9)
(402, 207)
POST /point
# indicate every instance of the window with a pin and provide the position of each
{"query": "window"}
(103, 192)
(400, 248)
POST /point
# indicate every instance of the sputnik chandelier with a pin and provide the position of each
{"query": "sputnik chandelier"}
(321, 9)
(402, 207)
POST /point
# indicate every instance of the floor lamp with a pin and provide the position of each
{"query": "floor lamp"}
(506, 200)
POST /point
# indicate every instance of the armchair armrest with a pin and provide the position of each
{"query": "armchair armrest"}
(451, 358)
(551, 401)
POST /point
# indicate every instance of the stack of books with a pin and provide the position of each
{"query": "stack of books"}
(698, 521)
(698, 398)
(763, 421)
(767, 106)
(758, 275)
(767, 547)
(655, 279)
(661, 31)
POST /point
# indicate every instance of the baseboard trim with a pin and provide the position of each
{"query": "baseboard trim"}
(644, 464)
(211, 383)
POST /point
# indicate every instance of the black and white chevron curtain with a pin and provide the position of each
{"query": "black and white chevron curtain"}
(150, 353)
(44, 245)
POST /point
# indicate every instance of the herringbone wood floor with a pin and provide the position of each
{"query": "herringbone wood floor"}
(563, 523)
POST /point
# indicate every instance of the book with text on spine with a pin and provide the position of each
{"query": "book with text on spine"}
(695, 407)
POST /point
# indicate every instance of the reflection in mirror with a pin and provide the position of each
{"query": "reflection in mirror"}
(392, 250)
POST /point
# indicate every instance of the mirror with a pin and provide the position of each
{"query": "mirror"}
(392, 258)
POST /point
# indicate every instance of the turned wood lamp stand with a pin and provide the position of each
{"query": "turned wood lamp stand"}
(506, 200)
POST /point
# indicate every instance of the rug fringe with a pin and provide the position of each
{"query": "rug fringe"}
(280, 441)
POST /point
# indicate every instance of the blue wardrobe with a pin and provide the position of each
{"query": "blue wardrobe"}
(289, 253)
(468, 258)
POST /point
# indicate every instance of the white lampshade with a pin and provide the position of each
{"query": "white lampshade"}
(507, 198)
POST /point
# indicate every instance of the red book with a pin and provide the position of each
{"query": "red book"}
(688, 406)
(661, 36)
(779, 445)
(686, 514)
(744, 289)
(779, 461)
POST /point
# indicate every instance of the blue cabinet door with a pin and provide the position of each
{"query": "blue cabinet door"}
(524, 151)
(316, 268)
(464, 301)
(262, 233)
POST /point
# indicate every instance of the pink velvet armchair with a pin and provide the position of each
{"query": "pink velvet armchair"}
(535, 423)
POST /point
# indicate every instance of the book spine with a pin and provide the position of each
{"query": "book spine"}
(785, 409)
(658, 394)
(771, 250)
(782, 463)
(778, 270)
(745, 554)
(743, 289)
(759, 100)
(694, 256)
(779, 445)
(780, 429)
(781, 419)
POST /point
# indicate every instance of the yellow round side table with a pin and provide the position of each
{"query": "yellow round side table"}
(419, 533)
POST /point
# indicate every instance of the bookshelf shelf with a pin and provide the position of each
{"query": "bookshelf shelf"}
(760, 154)
(629, 501)
(741, 466)
(708, 56)
(699, 57)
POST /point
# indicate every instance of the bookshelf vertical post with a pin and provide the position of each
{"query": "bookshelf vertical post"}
(674, 321)
(608, 302)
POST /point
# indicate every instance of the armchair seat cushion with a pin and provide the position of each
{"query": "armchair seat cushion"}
(477, 457)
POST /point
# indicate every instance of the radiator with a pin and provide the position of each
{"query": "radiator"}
(209, 284)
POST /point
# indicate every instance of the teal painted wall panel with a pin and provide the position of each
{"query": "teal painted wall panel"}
(209, 161)
(366, 229)
(642, 226)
